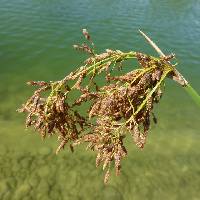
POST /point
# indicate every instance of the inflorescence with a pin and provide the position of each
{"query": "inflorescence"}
(123, 105)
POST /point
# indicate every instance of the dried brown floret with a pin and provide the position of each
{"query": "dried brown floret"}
(84, 47)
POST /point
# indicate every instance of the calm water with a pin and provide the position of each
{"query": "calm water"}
(36, 39)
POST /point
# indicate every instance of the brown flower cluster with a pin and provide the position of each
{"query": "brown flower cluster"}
(118, 105)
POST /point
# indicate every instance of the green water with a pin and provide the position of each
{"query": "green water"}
(36, 39)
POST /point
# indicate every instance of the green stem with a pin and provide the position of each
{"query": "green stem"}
(192, 92)
(152, 91)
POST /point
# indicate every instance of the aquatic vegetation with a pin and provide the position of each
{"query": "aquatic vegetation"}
(118, 105)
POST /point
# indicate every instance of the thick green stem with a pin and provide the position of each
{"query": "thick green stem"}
(192, 92)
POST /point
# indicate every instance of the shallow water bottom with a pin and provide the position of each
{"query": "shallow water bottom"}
(167, 168)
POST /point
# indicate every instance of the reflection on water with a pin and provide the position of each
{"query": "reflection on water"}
(35, 43)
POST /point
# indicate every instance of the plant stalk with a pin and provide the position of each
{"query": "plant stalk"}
(192, 92)
(178, 77)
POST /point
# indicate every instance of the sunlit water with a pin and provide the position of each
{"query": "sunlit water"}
(36, 39)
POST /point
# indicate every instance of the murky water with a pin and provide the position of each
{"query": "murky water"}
(36, 39)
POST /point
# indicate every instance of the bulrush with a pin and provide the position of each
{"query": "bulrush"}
(118, 106)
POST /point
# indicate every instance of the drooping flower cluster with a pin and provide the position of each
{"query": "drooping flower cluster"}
(118, 105)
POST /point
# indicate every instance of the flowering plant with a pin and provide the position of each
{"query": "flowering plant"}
(118, 105)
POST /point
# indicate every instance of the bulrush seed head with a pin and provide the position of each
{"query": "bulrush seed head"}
(123, 105)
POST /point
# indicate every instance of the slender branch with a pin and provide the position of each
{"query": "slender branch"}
(152, 91)
(152, 44)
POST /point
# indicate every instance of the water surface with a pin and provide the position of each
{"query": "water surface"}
(36, 39)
